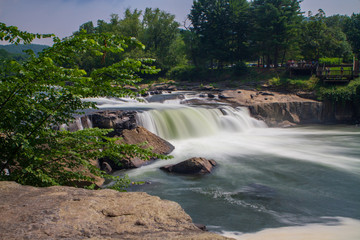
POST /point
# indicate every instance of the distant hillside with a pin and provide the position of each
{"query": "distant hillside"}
(18, 49)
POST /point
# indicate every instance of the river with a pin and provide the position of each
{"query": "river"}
(270, 183)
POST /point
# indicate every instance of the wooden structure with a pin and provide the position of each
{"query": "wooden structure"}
(337, 73)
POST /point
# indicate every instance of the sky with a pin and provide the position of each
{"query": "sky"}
(63, 17)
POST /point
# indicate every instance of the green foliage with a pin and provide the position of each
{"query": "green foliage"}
(275, 25)
(21, 48)
(13, 35)
(219, 30)
(341, 93)
(158, 30)
(46, 91)
(319, 40)
(352, 30)
(183, 73)
(159, 33)
(299, 84)
(331, 61)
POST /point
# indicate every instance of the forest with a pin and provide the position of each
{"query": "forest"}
(222, 34)
(232, 34)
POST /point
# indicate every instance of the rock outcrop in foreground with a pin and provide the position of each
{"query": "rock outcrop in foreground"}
(70, 213)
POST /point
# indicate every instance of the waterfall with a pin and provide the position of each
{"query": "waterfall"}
(189, 122)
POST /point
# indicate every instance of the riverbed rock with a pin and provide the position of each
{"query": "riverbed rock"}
(196, 165)
(72, 213)
(278, 113)
(139, 135)
(279, 109)
(117, 120)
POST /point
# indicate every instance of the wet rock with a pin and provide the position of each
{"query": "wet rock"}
(266, 94)
(191, 166)
(73, 213)
(293, 112)
(139, 135)
(118, 120)
(166, 97)
(222, 96)
(201, 226)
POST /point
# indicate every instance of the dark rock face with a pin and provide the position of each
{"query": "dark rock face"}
(137, 135)
(125, 126)
(191, 166)
(274, 114)
(341, 112)
(118, 120)
(72, 213)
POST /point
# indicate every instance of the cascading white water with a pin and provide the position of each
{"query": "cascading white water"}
(189, 122)
(267, 178)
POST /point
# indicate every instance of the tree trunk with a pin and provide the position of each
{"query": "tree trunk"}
(276, 56)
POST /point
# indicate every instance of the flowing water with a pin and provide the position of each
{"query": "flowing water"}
(270, 183)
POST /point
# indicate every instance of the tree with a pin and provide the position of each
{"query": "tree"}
(158, 31)
(88, 27)
(211, 23)
(131, 26)
(218, 34)
(46, 91)
(318, 40)
(275, 23)
(160, 34)
(352, 30)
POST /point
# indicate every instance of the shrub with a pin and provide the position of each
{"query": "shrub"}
(183, 73)
(331, 61)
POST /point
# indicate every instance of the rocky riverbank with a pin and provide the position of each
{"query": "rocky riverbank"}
(282, 110)
(277, 109)
(72, 213)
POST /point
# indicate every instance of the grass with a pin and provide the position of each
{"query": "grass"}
(300, 83)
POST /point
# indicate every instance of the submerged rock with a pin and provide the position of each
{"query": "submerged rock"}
(139, 135)
(72, 213)
(191, 166)
(256, 192)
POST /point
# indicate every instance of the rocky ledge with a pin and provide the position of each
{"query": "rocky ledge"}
(277, 109)
(71, 213)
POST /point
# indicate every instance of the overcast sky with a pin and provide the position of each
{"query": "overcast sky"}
(63, 17)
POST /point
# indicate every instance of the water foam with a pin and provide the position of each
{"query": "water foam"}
(346, 228)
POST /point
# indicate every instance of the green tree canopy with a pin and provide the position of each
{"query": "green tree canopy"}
(317, 39)
(352, 30)
(220, 30)
(46, 91)
(275, 23)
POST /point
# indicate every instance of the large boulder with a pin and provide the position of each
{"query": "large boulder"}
(72, 213)
(117, 120)
(196, 165)
(277, 109)
(139, 135)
